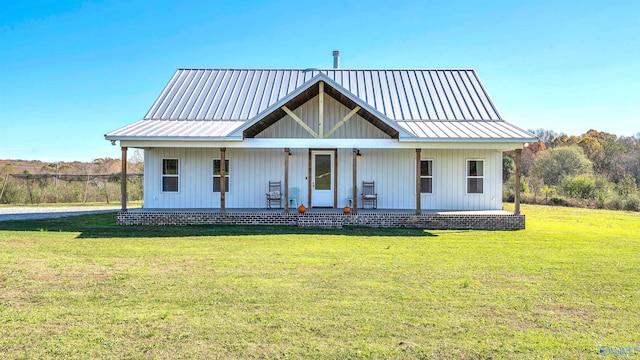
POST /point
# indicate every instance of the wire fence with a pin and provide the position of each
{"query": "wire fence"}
(67, 188)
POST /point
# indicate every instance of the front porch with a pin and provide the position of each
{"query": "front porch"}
(328, 218)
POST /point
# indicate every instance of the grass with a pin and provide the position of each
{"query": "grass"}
(83, 287)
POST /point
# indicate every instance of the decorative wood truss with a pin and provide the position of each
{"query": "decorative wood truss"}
(320, 134)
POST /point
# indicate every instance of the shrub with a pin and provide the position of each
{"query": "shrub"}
(508, 188)
(14, 194)
(601, 199)
(535, 184)
(508, 167)
(508, 194)
(614, 202)
(558, 201)
(529, 199)
(554, 165)
(548, 191)
(627, 185)
(632, 203)
(581, 186)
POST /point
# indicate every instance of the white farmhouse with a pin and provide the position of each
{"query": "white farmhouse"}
(430, 141)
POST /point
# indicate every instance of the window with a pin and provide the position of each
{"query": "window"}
(426, 176)
(170, 175)
(475, 176)
(216, 175)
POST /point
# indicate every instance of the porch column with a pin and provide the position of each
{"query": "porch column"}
(223, 182)
(418, 174)
(287, 151)
(123, 179)
(355, 181)
(516, 196)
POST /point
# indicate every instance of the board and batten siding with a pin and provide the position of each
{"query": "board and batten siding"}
(249, 173)
(393, 170)
(450, 180)
(355, 128)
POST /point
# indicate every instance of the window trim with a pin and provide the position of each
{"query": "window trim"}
(163, 175)
(214, 176)
(467, 176)
(427, 176)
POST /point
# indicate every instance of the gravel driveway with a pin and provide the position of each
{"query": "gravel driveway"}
(28, 212)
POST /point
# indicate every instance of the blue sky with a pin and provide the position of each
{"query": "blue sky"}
(71, 71)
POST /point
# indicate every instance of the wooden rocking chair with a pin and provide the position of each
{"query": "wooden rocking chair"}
(275, 194)
(369, 194)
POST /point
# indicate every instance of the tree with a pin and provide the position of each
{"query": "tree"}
(7, 169)
(614, 155)
(508, 165)
(555, 165)
(563, 140)
(136, 162)
(629, 160)
(546, 136)
(530, 154)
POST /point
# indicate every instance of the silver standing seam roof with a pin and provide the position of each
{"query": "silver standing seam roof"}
(434, 105)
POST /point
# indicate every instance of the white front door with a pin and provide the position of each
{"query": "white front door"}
(322, 178)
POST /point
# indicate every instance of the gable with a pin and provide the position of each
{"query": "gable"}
(355, 127)
(319, 85)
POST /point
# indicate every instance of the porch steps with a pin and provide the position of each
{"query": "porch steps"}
(321, 221)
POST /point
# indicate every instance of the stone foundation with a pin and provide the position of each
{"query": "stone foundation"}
(424, 221)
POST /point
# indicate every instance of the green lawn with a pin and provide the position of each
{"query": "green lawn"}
(83, 287)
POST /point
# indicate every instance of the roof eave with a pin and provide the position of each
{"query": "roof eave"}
(172, 138)
(467, 140)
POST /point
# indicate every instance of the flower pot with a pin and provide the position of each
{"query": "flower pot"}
(346, 210)
(302, 209)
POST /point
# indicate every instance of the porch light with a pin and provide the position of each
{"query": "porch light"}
(358, 154)
(289, 153)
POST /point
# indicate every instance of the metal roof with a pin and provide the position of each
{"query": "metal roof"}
(465, 130)
(241, 94)
(231, 104)
(175, 129)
